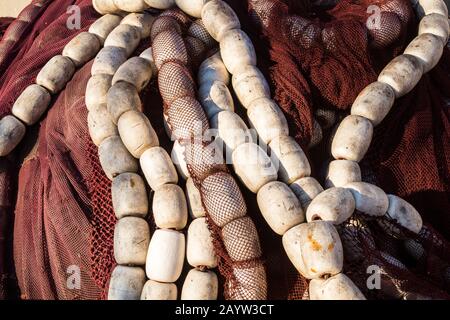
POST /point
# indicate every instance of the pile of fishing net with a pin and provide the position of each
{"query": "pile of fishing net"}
(55, 200)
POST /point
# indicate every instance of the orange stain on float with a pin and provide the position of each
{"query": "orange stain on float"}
(314, 244)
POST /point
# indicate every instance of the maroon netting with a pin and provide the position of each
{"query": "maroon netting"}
(318, 58)
(8, 288)
(54, 221)
(204, 158)
(237, 242)
(164, 24)
(6, 204)
(198, 30)
(196, 49)
(4, 24)
(174, 81)
(17, 27)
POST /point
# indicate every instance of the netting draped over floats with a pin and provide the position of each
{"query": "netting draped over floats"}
(236, 241)
(49, 175)
(323, 59)
(319, 58)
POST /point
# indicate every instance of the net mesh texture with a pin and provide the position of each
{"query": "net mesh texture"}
(56, 209)
(326, 56)
(238, 240)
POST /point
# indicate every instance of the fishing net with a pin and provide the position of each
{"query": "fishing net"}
(234, 234)
(327, 53)
(56, 214)
(49, 179)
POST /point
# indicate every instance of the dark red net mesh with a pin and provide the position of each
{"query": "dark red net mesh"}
(326, 55)
(164, 24)
(318, 58)
(186, 116)
(169, 46)
(4, 24)
(175, 81)
(198, 31)
(235, 237)
(54, 221)
(196, 49)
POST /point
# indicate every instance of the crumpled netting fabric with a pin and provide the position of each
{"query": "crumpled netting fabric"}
(4, 24)
(175, 81)
(7, 287)
(65, 216)
(49, 174)
(198, 31)
(197, 50)
(237, 243)
(323, 59)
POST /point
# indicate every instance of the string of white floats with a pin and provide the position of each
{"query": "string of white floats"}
(350, 143)
(120, 165)
(256, 171)
(282, 203)
(220, 195)
(346, 192)
(124, 135)
(164, 253)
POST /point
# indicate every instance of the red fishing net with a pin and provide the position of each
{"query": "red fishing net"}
(323, 59)
(55, 200)
(234, 234)
(54, 221)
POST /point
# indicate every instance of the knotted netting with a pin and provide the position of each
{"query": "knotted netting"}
(327, 54)
(49, 202)
(56, 210)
